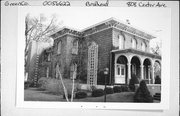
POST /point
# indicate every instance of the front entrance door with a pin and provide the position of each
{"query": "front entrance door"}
(120, 74)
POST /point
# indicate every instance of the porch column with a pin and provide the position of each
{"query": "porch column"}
(142, 71)
(152, 74)
(129, 71)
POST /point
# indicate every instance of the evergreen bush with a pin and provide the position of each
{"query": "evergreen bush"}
(117, 89)
(108, 90)
(27, 84)
(69, 96)
(142, 94)
(93, 88)
(97, 92)
(134, 80)
(124, 88)
(80, 95)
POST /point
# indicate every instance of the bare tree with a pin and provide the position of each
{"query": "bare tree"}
(72, 92)
(37, 28)
(62, 82)
(77, 72)
(157, 49)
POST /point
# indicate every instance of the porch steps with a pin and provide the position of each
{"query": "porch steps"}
(157, 96)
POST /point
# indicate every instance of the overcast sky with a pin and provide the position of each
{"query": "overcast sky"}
(154, 20)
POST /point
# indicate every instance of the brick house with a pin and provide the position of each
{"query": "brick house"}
(112, 44)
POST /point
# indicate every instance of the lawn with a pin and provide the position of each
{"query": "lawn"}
(116, 97)
(33, 94)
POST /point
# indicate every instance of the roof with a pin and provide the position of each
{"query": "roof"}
(114, 23)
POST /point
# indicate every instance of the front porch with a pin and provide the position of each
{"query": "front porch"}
(127, 62)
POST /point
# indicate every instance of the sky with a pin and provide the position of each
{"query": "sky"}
(153, 20)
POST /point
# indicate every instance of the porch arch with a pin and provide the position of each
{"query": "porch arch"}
(157, 69)
(121, 69)
(157, 61)
(135, 66)
(147, 70)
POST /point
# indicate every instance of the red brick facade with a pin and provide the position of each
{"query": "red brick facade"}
(105, 35)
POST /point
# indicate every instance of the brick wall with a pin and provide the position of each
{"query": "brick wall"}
(128, 42)
(59, 58)
(65, 58)
(104, 41)
(107, 40)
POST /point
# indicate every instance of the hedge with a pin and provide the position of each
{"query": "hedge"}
(97, 92)
(108, 90)
(80, 95)
(117, 89)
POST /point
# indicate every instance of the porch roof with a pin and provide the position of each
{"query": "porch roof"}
(134, 51)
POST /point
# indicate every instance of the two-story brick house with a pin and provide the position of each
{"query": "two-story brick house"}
(112, 44)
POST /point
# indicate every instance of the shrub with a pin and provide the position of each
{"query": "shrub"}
(108, 90)
(27, 84)
(31, 84)
(124, 88)
(157, 80)
(142, 94)
(134, 80)
(42, 82)
(93, 88)
(97, 92)
(80, 95)
(55, 86)
(69, 96)
(117, 89)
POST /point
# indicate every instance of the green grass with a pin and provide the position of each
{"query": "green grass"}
(116, 97)
(37, 95)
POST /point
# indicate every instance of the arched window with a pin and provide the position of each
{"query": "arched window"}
(73, 71)
(121, 42)
(59, 47)
(58, 69)
(133, 43)
(75, 47)
(143, 46)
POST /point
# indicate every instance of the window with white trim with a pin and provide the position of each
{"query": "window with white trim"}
(59, 47)
(58, 69)
(133, 43)
(73, 71)
(49, 57)
(120, 70)
(121, 42)
(143, 47)
(75, 47)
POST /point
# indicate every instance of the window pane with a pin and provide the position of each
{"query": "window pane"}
(133, 43)
(143, 46)
(122, 71)
(59, 47)
(118, 70)
(121, 42)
